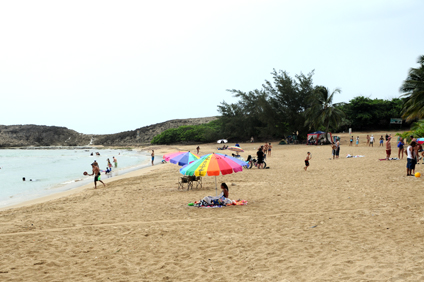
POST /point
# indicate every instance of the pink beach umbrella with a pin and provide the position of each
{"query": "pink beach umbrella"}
(180, 158)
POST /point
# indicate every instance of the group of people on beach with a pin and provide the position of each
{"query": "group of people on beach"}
(96, 171)
(412, 153)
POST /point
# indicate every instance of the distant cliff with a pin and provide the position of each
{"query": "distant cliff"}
(145, 134)
(41, 135)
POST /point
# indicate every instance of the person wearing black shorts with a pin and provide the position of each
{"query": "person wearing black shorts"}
(260, 155)
(308, 157)
(96, 173)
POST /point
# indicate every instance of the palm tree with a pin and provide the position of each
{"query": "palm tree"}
(413, 89)
(322, 111)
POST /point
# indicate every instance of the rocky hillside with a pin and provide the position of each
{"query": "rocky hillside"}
(41, 135)
(145, 134)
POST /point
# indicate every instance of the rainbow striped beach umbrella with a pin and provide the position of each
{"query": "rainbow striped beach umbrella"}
(420, 140)
(213, 165)
(180, 158)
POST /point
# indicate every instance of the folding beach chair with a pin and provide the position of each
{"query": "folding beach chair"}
(183, 180)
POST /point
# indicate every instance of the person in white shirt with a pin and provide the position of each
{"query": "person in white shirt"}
(410, 164)
(371, 141)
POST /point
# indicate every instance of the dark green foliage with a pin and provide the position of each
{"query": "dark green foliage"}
(417, 131)
(190, 133)
(363, 113)
(272, 112)
(322, 113)
(413, 90)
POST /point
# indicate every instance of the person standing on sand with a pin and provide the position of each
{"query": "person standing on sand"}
(381, 141)
(198, 149)
(153, 156)
(371, 141)
(109, 164)
(96, 173)
(333, 149)
(357, 141)
(308, 157)
(338, 148)
(260, 154)
(410, 164)
(351, 140)
(388, 148)
(400, 146)
(269, 149)
(368, 139)
(115, 161)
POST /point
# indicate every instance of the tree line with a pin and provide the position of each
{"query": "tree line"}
(287, 105)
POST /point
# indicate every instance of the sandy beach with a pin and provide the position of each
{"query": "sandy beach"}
(356, 219)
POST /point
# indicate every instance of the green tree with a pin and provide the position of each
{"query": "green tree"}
(322, 112)
(271, 112)
(366, 113)
(413, 90)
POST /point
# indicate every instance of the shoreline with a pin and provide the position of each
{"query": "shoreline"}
(133, 173)
(79, 186)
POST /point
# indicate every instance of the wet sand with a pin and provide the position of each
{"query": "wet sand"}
(355, 219)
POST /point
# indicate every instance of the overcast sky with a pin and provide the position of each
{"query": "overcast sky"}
(110, 66)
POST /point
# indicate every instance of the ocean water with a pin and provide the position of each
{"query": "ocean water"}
(52, 171)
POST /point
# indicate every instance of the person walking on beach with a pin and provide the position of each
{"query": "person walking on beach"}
(381, 141)
(334, 149)
(115, 161)
(198, 149)
(308, 157)
(368, 139)
(388, 148)
(371, 141)
(351, 140)
(400, 147)
(357, 141)
(269, 149)
(96, 173)
(153, 156)
(410, 159)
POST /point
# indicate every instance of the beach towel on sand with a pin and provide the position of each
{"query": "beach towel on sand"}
(390, 159)
(204, 204)
(357, 156)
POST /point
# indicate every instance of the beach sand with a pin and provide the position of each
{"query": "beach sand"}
(357, 219)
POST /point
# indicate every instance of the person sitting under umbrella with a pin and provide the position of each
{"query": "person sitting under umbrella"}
(222, 199)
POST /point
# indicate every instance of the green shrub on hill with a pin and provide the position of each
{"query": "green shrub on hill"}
(189, 133)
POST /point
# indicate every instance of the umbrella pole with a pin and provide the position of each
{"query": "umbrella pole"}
(216, 187)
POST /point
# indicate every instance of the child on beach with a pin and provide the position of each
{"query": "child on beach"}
(381, 141)
(308, 157)
(269, 149)
(357, 141)
(351, 140)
